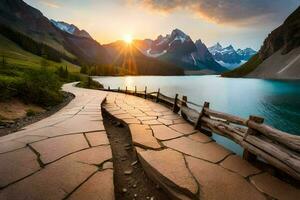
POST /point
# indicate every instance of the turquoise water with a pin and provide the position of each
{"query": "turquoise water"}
(277, 101)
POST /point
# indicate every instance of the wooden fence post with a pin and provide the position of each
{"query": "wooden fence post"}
(184, 104)
(201, 114)
(135, 90)
(157, 97)
(198, 122)
(175, 106)
(126, 90)
(247, 155)
(108, 88)
(184, 100)
(145, 92)
(118, 89)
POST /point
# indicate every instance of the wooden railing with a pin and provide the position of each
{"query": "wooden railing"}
(277, 148)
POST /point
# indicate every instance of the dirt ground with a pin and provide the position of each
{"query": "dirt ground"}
(130, 180)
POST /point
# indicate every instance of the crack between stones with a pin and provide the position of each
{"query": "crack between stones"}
(188, 168)
(38, 156)
(84, 134)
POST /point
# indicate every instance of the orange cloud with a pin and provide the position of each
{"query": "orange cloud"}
(227, 11)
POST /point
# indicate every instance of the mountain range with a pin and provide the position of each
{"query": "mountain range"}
(178, 48)
(173, 54)
(229, 57)
(279, 56)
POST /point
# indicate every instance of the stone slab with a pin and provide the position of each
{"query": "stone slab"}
(153, 114)
(274, 187)
(163, 132)
(171, 117)
(92, 156)
(55, 148)
(132, 121)
(236, 164)
(10, 146)
(97, 138)
(142, 136)
(76, 125)
(184, 128)
(55, 181)
(147, 118)
(108, 165)
(152, 122)
(220, 184)
(207, 151)
(200, 137)
(166, 122)
(16, 165)
(170, 166)
(27, 139)
(124, 116)
(99, 186)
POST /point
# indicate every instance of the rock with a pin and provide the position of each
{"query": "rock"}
(134, 163)
(124, 190)
(128, 172)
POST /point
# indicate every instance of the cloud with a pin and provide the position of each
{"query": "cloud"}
(50, 4)
(227, 11)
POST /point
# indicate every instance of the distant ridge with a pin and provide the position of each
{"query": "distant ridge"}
(279, 57)
(229, 57)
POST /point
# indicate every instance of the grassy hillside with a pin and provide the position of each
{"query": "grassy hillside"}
(31, 78)
(14, 55)
(245, 68)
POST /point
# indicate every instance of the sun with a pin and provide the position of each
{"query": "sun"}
(127, 38)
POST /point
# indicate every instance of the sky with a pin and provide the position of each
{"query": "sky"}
(242, 23)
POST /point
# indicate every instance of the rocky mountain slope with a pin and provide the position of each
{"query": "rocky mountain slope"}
(19, 17)
(70, 28)
(229, 57)
(178, 48)
(279, 57)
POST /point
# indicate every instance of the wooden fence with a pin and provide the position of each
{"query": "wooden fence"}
(277, 148)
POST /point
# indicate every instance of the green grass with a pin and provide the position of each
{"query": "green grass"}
(245, 69)
(14, 55)
(31, 78)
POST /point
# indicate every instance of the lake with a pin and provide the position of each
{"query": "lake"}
(277, 101)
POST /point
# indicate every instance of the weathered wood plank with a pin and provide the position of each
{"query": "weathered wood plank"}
(291, 141)
(228, 117)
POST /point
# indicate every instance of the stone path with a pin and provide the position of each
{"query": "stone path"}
(66, 155)
(188, 164)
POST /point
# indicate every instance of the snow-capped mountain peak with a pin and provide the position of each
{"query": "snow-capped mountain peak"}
(216, 48)
(229, 57)
(70, 28)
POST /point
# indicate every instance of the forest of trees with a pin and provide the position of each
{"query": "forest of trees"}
(33, 46)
